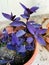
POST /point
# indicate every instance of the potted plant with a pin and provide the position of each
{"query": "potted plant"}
(19, 40)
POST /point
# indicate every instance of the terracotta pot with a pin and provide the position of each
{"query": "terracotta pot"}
(33, 56)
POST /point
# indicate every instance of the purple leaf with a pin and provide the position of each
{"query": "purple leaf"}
(5, 35)
(24, 16)
(21, 49)
(20, 33)
(26, 12)
(36, 25)
(33, 9)
(17, 19)
(41, 31)
(11, 47)
(23, 6)
(17, 24)
(6, 16)
(15, 40)
(29, 48)
(31, 29)
(29, 40)
(40, 39)
(4, 61)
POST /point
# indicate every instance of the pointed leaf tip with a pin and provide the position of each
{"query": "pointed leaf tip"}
(6, 16)
(33, 9)
(23, 6)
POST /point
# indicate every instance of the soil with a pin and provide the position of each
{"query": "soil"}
(19, 59)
